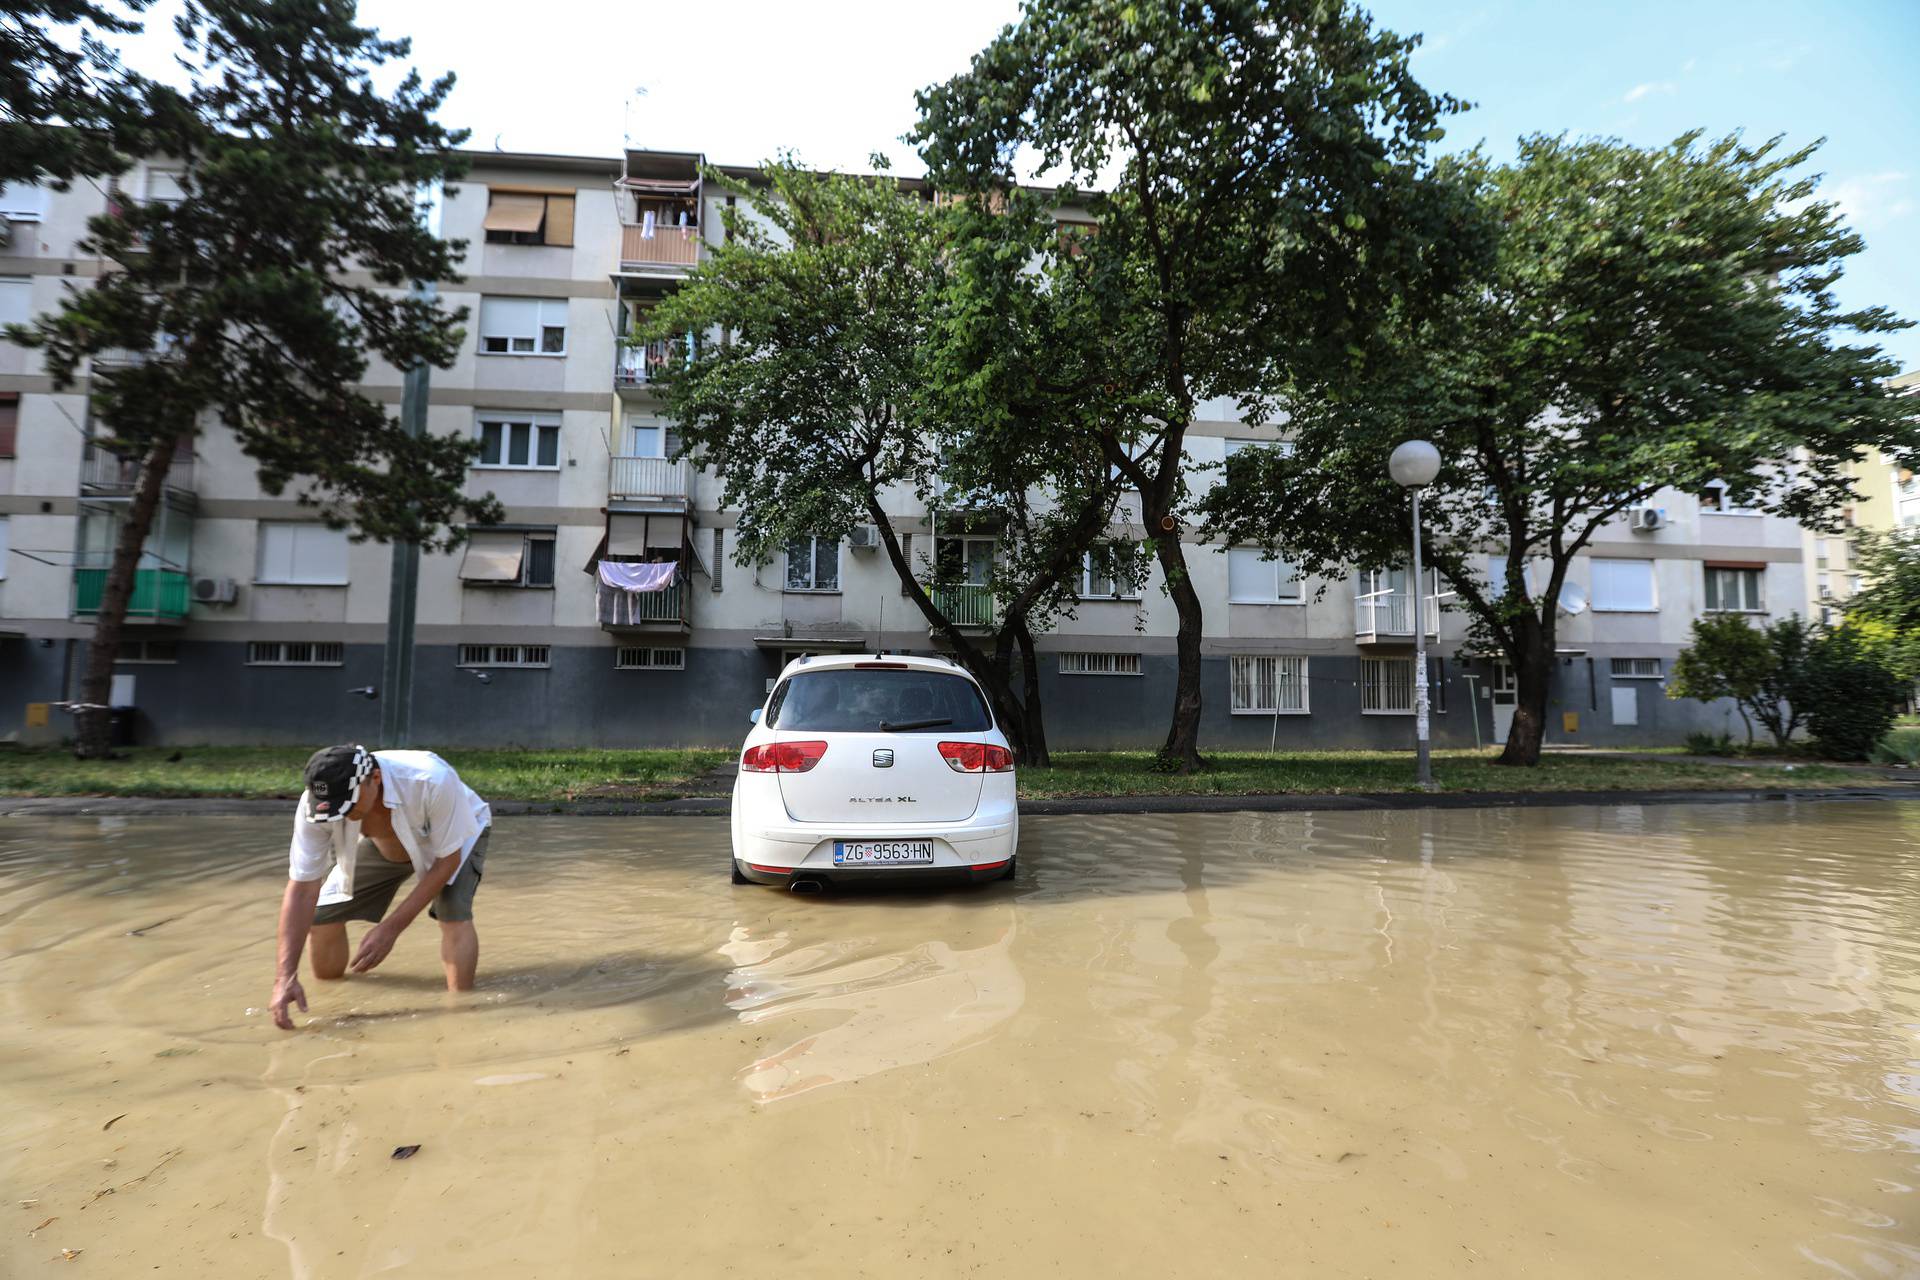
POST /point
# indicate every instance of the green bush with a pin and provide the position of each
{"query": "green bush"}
(1902, 746)
(1851, 698)
(1710, 744)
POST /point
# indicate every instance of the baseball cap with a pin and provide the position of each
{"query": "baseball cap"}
(333, 776)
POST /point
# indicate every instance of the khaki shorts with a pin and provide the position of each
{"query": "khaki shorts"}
(376, 879)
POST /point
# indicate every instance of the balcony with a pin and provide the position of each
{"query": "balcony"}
(637, 479)
(966, 605)
(105, 472)
(618, 610)
(638, 365)
(1386, 617)
(159, 595)
(646, 249)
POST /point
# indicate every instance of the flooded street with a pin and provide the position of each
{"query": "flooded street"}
(1663, 1041)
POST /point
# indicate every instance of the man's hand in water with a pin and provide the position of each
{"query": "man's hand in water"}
(374, 947)
(287, 991)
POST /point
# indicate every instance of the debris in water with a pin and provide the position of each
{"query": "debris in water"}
(109, 1124)
(402, 1153)
(43, 1226)
(178, 1051)
(71, 1254)
(143, 930)
(1349, 1155)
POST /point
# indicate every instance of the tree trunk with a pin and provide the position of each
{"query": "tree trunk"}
(1181, 751)
(1035, 734)
(92, 723)
(1532, 658)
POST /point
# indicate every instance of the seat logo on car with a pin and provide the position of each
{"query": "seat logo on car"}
(883, 758)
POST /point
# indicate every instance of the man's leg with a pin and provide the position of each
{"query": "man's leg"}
(327, 946)
(459, 953)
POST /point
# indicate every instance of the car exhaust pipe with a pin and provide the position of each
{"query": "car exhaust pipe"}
(805, 886)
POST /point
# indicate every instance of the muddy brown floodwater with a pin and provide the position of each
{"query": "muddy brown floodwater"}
(1622, 1041)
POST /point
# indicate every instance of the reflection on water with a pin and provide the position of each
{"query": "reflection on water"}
(1617, 1041)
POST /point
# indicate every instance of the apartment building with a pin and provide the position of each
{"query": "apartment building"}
(252, 622)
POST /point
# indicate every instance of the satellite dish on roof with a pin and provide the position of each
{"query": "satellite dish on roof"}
(1573, 599)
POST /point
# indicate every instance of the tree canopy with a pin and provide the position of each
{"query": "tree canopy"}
(61, 100)
(1651, 319)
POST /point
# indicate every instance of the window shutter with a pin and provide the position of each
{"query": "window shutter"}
(906, 554)
(719, 557)
(560, 221)
(9, 425)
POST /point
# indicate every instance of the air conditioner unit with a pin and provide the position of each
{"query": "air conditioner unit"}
(1647, 519)
(863, 537)
(215, 591)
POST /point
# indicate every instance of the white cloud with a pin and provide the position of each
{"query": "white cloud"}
(1640, 91)
(1872, 199)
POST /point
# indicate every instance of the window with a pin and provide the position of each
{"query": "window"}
(516, 216)
(1386, 686)
(862, 700)
(22, 201)
(1253, 579)
(964, 560)
(302, 554)
(519, 440)
(643, 658)
(813, 564)
(9, 423)
(1636, 668)
(1112, 572)
(163, 186)
(719, 557)
(1823, 585)
(3, 548)
(508, 558)
(148, 651)
(1733, 589)
(503, 655)
(523, 326)
(1497, 577)
(1285, 447)
(1099, 664)
(1265, 685)
(16, 299)
(652, 438)
(1623, 586)
(295, 653)
(1715, 500)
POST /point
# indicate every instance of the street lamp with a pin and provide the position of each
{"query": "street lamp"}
(1413, 466)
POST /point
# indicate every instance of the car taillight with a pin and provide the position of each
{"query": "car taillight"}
(976, 757)
(782, 757)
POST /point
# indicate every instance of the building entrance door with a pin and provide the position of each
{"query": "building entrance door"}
(1506, 696)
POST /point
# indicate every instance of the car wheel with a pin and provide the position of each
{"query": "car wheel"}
(1013, 865)
(738, 878)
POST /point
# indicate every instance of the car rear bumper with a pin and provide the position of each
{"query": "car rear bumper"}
(978, 849)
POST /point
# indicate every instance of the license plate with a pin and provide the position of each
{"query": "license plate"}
(882, 853)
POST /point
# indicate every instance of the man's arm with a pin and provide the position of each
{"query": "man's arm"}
(296, 917)
(380, 939)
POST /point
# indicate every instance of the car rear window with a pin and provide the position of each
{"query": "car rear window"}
(855, 700)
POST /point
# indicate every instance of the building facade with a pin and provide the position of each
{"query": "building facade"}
(253, 623)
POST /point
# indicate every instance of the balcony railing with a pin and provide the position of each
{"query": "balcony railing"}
(102, 470)
(662, 247)
(635, 364)
(1388, 615)
(619, 610)
(964, 604)
(634, 477)
(159, 595)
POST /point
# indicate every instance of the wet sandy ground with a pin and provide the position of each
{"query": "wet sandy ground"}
(1675, 1041)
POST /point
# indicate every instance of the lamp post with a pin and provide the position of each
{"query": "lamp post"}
(1413, 466)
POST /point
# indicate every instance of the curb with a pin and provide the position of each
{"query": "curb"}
(718, 806)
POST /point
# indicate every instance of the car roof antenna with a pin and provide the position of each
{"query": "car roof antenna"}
(880, 636)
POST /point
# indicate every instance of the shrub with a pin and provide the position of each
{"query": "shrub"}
(1709, 744)
(1851, 698)
(1901, 747)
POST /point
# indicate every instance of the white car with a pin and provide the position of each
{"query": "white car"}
(873, 767)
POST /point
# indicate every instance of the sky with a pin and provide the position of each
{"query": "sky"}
(833, 82)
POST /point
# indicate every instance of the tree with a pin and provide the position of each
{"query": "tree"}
(1763, 669)
(57, 99)
(1259, 165)
(258, 296)
(1889, 562)
(820, 387)
(1649, 319)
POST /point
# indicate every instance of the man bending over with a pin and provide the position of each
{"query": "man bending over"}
(373, 818)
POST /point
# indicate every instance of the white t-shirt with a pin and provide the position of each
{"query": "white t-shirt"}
(434, 814)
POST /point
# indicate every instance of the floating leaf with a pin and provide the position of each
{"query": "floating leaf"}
(403, 1153)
